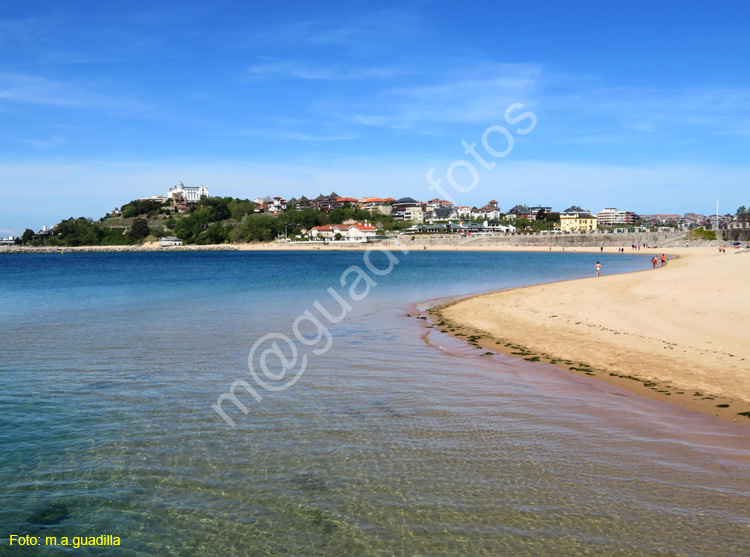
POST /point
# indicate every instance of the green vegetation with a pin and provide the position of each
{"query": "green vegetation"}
(743, 215)
(138, 231)
(546, 222)
(702, 234)
(85, 232)
(146, 207)
(213, 220)
(113, 237)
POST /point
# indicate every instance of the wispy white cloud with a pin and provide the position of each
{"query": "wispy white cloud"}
(44, 144)
(73, 58)
(367, 32)
(291, 129)
(479, 92)
(430, 98)
(600, 110)
(28, 89)
(26, 32)
(302, 70)
(306, 137)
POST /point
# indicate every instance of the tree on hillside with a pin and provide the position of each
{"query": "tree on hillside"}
(129, 211)
(76, 232)
(217, 233)
(28, 236)
(138, 231)
(141, 207)
(238, 208)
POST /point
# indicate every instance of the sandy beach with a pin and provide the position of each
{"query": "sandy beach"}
(678, 333)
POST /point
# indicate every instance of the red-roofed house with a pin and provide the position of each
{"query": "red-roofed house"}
(437, 203)
(357, 232)
(376, 205)
(490, 211)
(277, 205)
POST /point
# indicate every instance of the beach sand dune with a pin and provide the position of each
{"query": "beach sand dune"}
(683, 329)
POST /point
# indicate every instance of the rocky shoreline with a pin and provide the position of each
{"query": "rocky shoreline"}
(111, 249)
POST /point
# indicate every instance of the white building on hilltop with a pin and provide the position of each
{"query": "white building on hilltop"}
(190, 193)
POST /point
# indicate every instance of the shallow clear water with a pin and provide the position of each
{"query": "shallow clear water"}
(387, 444)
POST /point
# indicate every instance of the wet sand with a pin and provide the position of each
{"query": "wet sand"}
(678, 333)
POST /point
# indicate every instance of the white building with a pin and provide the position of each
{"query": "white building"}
(498, 227)
(437, 203)
(611, 216)
(415, 214)
(190, 193)
(485, 213)
(169, 241)
(277, 205)
(157, 198)
(357, 232)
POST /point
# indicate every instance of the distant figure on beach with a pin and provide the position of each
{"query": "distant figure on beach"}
(654, 261)
(601, 248)
(663, 260)
(598, 268)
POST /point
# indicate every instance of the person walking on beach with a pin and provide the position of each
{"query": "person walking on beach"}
(654, 261)
(598, 268)
(663, 260)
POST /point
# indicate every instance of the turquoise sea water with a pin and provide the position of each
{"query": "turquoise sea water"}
(387, 444)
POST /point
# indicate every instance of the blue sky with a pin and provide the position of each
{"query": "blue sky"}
(643, 106)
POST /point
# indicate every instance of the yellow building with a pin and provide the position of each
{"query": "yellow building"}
(577, 222)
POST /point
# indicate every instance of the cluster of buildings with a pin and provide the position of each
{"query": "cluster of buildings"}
(435, 215)
(435, 211)
(439, 215)
(179, 197)
(13, 240)
(689, 220)
(180, 194)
